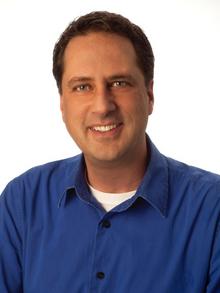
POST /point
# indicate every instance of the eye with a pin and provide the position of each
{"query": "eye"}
(82, 88)
(119, 84)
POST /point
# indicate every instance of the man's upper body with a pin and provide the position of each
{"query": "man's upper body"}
(56, 237)
(160, 234)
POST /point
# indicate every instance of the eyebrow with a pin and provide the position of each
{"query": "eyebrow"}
(122, 76)
(78, 79)
(89, 79)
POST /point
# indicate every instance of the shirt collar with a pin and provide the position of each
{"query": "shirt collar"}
(153, 188)
(74, 178)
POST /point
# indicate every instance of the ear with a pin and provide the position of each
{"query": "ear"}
(150, 93)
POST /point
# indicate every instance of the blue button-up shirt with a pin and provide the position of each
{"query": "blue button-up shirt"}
(55, 237)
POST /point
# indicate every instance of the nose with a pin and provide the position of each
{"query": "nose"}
(103, 102)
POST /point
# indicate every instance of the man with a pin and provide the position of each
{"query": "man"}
(120, 217)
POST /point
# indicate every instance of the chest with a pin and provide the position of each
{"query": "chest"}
(134, 251)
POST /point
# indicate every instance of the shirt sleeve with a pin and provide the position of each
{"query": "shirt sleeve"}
(10, 240)
(214, 271)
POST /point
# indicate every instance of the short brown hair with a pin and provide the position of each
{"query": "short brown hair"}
(102, 21)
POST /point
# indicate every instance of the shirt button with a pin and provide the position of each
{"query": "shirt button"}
(106, 224)
(100, 275)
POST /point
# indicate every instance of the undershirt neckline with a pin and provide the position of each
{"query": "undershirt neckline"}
(110, 200)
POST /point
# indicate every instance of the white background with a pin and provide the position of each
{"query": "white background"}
(185, 36)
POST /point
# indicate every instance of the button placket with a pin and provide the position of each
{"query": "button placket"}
(105, 224)
(100, 264)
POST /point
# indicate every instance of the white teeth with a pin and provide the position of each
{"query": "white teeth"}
(104, 128)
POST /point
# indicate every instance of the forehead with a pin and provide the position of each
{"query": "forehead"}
(100, 44)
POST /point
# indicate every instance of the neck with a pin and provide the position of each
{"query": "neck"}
(117, 177)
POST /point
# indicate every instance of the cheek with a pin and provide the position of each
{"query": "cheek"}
(66, 112)
(68, 108)
(75, 118)
(134, 108)
(141, 107)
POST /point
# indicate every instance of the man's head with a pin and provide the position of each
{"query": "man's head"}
(106, 92)
(111, 23)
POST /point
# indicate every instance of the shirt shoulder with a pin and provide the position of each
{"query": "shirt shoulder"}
(51, 168)
(191, 172)
(43, 179)
(194, 182)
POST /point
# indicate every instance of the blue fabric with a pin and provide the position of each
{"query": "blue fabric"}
(55, 237)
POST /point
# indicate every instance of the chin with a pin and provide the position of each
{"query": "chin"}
(103, 157)
(105, 153)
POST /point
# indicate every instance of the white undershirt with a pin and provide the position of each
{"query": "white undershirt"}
(110, 200)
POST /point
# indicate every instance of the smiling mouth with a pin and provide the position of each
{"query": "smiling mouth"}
(104, 128)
